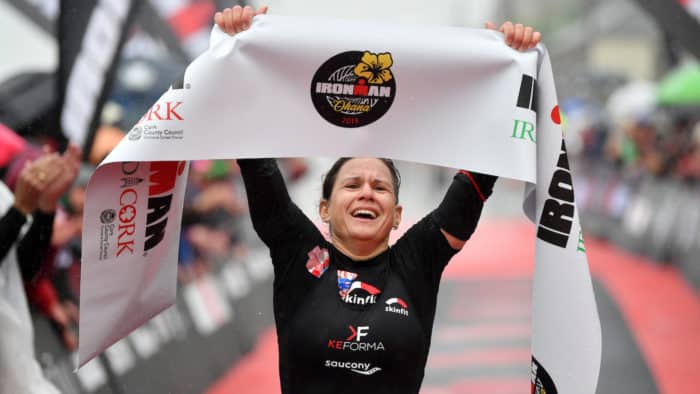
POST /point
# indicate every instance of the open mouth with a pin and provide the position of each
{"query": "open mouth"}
(364, 214)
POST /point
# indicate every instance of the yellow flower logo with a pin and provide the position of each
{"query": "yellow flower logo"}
(375, 68)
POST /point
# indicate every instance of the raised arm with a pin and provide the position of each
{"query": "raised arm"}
(461, 207)
(235, 20)
(271, 209)
(517, 36)
(60, 171)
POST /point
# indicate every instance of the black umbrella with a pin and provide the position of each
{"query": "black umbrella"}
(27, 104)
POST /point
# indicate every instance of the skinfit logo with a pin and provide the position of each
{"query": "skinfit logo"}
(354, 342)
(354, 291)
(354, 89)
(359, 368)
(396, 305)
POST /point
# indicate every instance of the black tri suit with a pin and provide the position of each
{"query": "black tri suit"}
(347, 326)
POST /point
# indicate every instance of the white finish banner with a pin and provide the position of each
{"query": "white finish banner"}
(294, 86)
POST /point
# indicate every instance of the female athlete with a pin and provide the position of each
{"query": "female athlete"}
(352, 313)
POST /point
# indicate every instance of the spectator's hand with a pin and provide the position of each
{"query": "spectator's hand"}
(27, 190)
(72, 310)
(235, 20)
(64, 323)
(517, 36)
(67, 166)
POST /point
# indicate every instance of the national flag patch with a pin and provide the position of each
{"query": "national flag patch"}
(345, 279)
(318, 262)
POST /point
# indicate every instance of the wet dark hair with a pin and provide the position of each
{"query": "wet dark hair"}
(332, 175)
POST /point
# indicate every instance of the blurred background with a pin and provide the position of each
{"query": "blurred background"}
(628, 81)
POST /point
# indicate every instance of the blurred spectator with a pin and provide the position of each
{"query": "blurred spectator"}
(211, 219)
(38, 187)
(688, 165)
(106, 139)
(593, 140)
(646, 143)
(294, 167)
(55, 291)
(636, 148)
(213, 214)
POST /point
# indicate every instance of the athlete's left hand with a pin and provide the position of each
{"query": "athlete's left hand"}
(517, 36)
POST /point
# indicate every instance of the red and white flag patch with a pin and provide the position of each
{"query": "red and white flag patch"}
(318, 262)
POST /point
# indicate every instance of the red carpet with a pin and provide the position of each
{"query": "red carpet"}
(254, 373)
(662, 310)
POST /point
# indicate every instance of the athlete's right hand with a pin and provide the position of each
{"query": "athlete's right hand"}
(235, 20)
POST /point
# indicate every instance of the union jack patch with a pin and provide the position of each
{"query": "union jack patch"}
(345, 279)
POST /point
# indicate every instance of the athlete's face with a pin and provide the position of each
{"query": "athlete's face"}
(362, 206)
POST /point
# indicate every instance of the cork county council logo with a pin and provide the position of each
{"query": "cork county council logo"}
(107, 216)
(135, 133)
(354, 88)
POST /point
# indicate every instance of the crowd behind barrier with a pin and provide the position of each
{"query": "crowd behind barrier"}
(224, 287)
(223, 302)
(638, 186)
(637, 183)
(215, 321)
